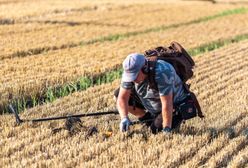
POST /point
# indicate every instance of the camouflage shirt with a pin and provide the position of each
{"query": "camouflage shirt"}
(167, 82)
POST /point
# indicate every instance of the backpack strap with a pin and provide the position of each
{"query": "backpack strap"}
(151, 74)
(193, 96)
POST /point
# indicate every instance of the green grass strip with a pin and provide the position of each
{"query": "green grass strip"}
(116, 37)
(217, 44)
(84, 83)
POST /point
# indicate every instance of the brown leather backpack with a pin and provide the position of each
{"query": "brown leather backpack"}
(182, 62)
(177, 56)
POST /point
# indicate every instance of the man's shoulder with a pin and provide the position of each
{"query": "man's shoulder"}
(164, 73)
(163, 66)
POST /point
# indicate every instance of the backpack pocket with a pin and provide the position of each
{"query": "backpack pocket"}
(187, 108)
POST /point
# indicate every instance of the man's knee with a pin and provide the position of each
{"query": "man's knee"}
(157, 124)
(147, 118)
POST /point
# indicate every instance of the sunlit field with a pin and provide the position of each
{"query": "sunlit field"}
(60, 58)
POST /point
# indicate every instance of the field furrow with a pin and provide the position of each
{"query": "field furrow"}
(205, 153)
(217, 61)
(222, 157)
(240, 159)
(224, 81)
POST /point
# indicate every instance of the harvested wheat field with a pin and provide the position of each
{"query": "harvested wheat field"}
(64, 58)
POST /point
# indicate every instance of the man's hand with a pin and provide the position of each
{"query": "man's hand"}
(124, 125)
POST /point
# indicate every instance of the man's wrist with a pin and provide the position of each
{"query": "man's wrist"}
(124, 117)
(166, 124)
(167, 129)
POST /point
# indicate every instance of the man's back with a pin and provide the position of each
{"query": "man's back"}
(167, 82)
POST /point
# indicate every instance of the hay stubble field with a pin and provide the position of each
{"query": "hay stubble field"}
(63, 41)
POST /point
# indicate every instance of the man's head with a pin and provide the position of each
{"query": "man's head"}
(132, 66)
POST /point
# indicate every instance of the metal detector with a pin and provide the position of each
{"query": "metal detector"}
(19, 121)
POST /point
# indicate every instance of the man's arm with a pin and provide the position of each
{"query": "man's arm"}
(122, 102)
(167, 109)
